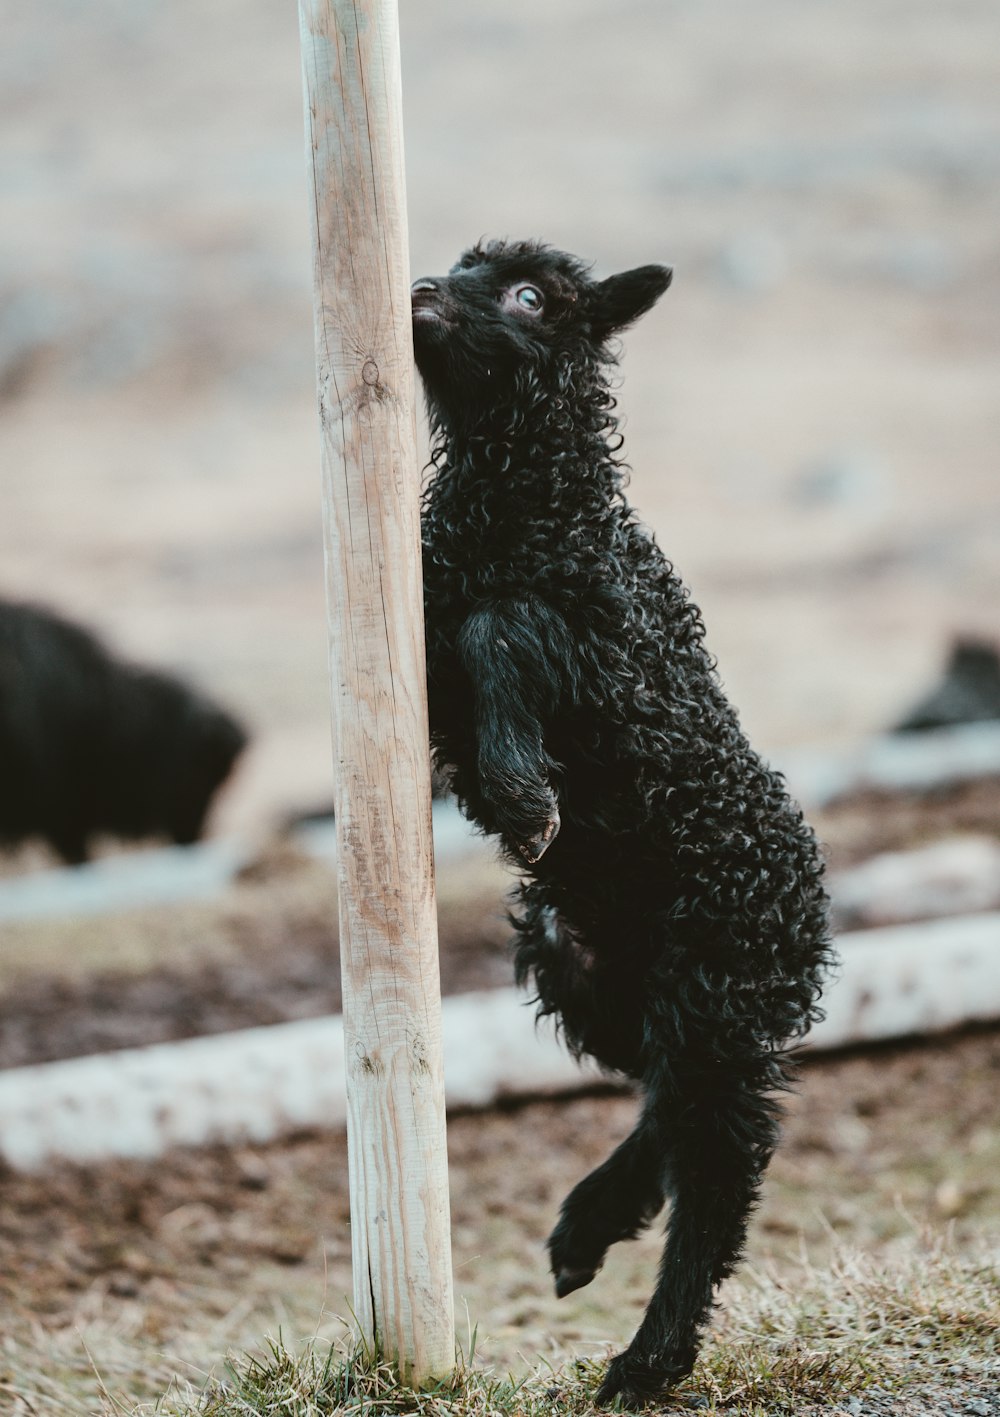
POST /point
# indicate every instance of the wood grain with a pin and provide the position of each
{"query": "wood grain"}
(392, 1007)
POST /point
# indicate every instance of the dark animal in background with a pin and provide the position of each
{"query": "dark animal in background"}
(969, 691)
(671, 912)
(91, 745)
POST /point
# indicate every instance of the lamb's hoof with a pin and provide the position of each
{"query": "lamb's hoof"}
(636, 1383)
(620, 1386)
(536, 848)
(569, 1279)
(574, 1255)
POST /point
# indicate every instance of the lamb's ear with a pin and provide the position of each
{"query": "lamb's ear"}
(621, 299)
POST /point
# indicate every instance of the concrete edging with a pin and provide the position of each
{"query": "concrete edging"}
(259, 1083)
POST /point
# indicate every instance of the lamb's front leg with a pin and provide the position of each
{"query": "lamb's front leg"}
(515, 771)
(515, 653)
(717, 1136)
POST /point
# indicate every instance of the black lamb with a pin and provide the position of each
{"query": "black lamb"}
(89, 744)
(671, 912)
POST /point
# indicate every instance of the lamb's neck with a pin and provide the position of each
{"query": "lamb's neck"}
(531, 461)
(521, 461)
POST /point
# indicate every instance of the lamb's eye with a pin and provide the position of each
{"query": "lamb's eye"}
(528, 297)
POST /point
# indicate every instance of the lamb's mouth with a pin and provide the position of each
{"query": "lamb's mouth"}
(429, 315)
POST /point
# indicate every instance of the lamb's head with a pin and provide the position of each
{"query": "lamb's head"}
(509, 313)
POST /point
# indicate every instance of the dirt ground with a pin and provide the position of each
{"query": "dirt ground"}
(160, 1267)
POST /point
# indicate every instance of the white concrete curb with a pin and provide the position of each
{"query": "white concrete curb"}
(259, 1083)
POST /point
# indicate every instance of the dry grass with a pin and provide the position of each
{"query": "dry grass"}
(924, 1320)
(158, 1269)
(931, 1321)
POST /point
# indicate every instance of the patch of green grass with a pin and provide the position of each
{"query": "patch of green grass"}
(779, 1346)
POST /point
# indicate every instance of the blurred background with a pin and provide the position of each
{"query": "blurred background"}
(813, 419)
(812, 412)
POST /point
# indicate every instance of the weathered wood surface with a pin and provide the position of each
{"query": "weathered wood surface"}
(396, 1128)
(905, 980)
(958, 875)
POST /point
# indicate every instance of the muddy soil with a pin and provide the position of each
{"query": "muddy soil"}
(889, 1147)
(205, 1250)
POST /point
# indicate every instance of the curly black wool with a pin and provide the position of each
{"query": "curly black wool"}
(671, 913)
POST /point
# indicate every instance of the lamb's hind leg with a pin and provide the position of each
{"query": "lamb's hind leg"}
(613, 1203)
(621, 1196)
(717, 1136)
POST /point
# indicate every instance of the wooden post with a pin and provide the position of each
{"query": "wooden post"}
(401, 1245)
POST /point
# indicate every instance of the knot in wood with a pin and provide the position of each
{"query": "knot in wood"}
(369, 372)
